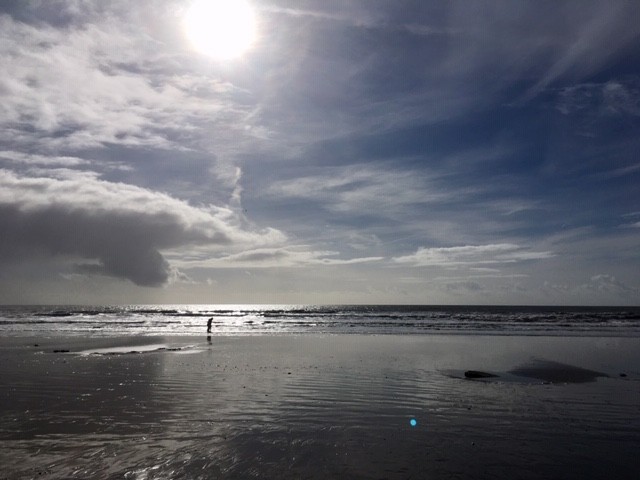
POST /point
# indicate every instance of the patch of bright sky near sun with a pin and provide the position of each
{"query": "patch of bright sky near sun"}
(222, 29)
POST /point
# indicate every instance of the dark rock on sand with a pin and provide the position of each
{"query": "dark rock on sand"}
(478, 374)
(623, 375)
(61, 351)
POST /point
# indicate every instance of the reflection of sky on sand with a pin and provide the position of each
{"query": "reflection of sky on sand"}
(341, 406)
(147, 348)
(66, 415)
(322, 407)
(123, 350)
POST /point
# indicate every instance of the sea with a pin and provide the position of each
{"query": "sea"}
(312, 319)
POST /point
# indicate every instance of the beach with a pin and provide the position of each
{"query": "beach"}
(319, 406)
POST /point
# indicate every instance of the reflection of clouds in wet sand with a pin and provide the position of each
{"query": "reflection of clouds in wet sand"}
(318, 407)
(330, 407)
(65, 414)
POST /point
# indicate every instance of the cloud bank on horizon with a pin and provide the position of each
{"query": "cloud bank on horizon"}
(358, 152)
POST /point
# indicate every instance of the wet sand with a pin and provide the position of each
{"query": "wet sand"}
(316, 406)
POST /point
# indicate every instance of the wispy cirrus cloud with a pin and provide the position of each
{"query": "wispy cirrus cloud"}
(367, 189)
(29, 159)
(471, 255)
(585, 52)
(291, 256)
(614, 97)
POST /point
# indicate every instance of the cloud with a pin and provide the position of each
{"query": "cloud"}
(596, 290)
(611, 98)
(121, 228)
(296, 12)
(282, 257)
(608, 284)
(464, 286)
(634, 223)
(367, 189)
(582, 38)
(362, 241)
(471, 255)
(106, 82)
(20, 158)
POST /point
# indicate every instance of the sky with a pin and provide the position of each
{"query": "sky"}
(359, 151)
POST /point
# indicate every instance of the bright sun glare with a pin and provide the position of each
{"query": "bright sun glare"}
(223, 29)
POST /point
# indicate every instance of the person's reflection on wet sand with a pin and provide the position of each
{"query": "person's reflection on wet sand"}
(209, 339)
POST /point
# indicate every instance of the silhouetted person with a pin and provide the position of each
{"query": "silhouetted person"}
(209, 325)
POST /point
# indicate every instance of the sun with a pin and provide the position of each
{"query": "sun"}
(223, 29)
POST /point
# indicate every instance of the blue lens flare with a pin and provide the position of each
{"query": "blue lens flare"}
(413, 422)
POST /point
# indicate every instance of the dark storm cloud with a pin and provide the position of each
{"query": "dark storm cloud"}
(121, 227)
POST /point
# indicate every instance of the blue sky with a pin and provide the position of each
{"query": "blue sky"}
(359, 152)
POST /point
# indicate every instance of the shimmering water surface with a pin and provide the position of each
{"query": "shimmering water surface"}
(270, 319)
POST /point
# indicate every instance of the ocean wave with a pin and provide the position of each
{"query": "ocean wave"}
(369, 319)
